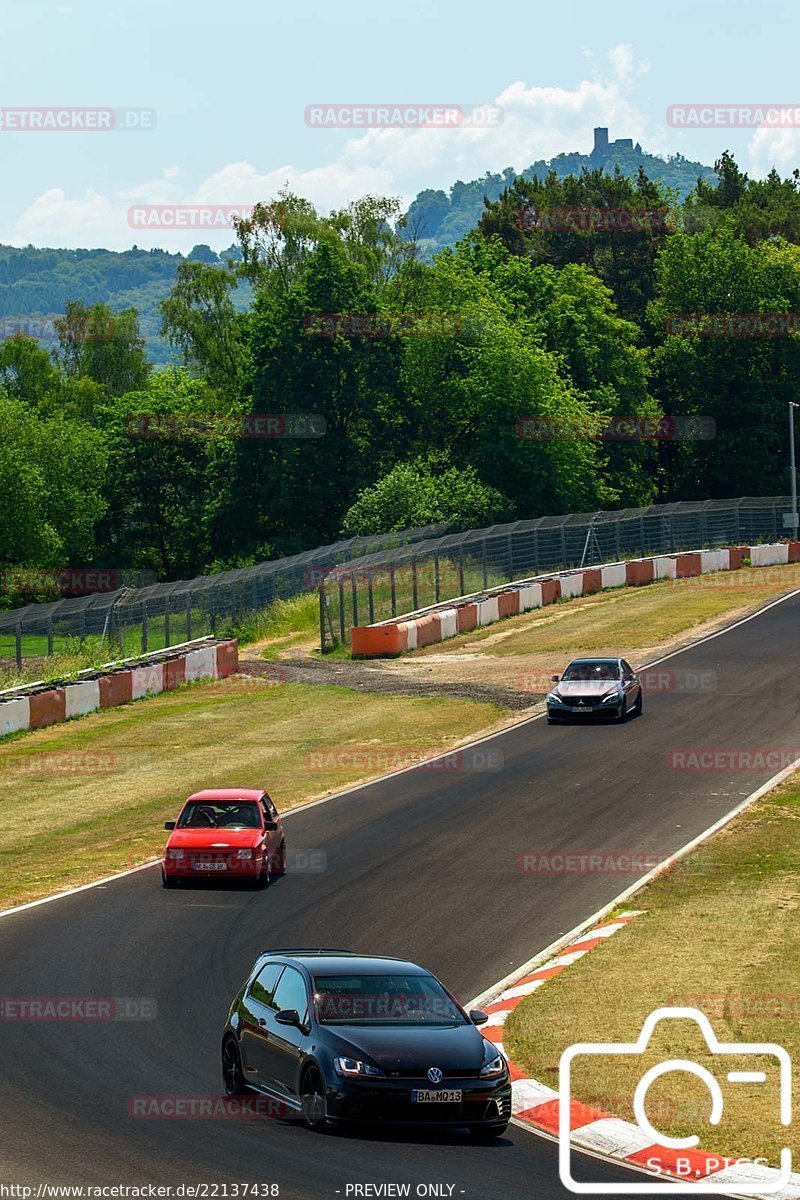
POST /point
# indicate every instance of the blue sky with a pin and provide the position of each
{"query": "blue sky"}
(230, 83)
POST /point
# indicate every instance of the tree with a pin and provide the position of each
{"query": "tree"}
(425, 492)
(51, 484)
(738, 375)
(103, 346)
(200, 319)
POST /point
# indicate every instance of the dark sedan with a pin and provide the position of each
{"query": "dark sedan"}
(595, 687)
(335, 1036)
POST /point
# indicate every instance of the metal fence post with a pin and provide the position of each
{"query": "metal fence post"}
(436, 587)
(144, 629)
(322, 640)
(188, 616)
(354, 589)
(392, 587)
(485, 566)
(414, 592)
(371, 598)
(18, 639)
(166, 622)
(341, 609)
(50, 636)
(461, 569)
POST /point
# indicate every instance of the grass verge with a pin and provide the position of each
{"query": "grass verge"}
(721, 934)
(87, 798)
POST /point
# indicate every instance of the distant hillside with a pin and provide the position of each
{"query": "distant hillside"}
(38, 283)
(437, 219)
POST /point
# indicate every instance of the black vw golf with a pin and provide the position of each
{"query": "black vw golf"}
(335, 1036)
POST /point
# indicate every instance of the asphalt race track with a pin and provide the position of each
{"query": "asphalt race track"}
(424, 864)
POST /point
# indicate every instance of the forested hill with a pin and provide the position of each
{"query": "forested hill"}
(437, 219)
(40, 283)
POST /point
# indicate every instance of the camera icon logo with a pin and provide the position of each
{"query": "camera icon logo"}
(660, 1141)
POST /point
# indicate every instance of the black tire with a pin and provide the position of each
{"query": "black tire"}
(487, 1133)
(167, 882)
(263, 880)
(623, 713)
(232, 1073)
(312, 1098)
(279, 860)
(638, 706)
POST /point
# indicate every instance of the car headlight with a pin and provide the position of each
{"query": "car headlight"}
(244, 854)
(554, 696)
(494, 1069)
(175, 854)
(611, 696)
(353, 1068)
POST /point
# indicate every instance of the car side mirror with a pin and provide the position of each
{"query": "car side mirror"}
(554, 678)
(288, 1016)
(169, 824)
(478, 1016)
(270, 826)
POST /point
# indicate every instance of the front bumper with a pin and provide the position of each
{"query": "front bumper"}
(186, 868)
(388, 1102)
(583, 712)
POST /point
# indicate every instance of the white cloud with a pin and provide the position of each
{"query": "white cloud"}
(770, 148)
(533, 122)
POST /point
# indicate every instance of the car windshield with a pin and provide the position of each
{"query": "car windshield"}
(220, 814)
(384, 1000)
(591, 672)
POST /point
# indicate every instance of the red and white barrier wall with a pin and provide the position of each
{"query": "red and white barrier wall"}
(439, 622)
(39, 705)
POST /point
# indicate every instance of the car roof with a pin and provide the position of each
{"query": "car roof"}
(228, 794)
(585, 658)
(344, 962)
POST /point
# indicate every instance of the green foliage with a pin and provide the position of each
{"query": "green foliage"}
(425, 492)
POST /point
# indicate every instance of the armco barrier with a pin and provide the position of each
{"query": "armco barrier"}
(116, 689)
(639, 572)
(438, 623)
(15, 715)
(769, 556)
(147, 681)
(81, 698)
(47, 708)
(37, 706)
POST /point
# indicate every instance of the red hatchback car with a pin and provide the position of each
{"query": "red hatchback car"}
(225, 833)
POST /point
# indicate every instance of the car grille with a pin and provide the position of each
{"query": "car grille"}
(422, 1073)
(584, 701)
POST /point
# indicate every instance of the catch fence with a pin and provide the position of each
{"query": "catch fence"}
(411, 576)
